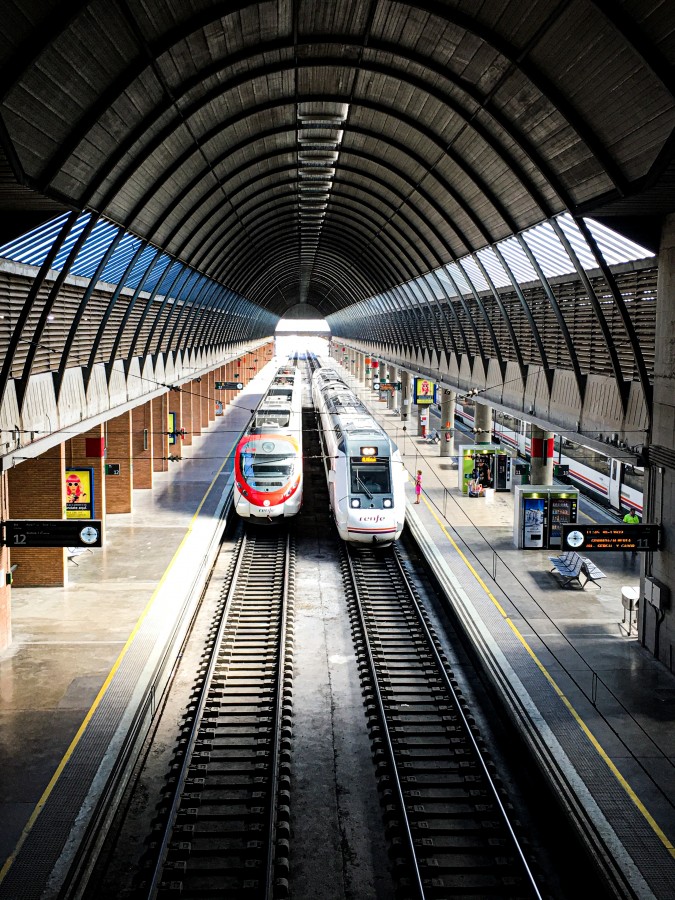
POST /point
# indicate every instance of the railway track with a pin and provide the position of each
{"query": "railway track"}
(225, 822)
(446, 816)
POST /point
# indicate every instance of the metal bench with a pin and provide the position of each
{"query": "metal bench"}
(570, 566)
(592, 572)
(569, 571)
(72, 552)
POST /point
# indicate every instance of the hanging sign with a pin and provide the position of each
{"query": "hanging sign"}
(585, 538)
(52, 533)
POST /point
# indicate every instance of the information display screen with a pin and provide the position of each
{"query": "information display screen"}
(53, 533)
(610, 537)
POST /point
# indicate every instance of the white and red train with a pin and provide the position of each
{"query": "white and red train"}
(365, 472)
(268, 459)
(609, 481)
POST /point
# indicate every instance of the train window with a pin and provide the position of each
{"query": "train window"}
(279, 417)
(370, 478)
(634, 477)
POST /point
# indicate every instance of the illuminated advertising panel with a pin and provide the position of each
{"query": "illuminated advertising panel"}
(424, 391)
(80, 493)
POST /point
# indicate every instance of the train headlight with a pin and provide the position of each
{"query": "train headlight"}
(266, 502)
(386, 503)
(356, 502)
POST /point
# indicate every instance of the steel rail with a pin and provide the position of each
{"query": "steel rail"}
(430, 680)
(250, 621)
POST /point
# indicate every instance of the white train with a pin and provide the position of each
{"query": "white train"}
(268, 477)
(365, 472)
(610, 481)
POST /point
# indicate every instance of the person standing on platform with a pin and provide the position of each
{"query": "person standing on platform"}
(418, 485)
(631, 518)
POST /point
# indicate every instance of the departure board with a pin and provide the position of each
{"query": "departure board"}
(636, 538)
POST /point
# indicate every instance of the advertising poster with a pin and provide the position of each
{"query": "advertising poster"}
(79, 493)
(533, 521)
(424, 391)
(172, 428)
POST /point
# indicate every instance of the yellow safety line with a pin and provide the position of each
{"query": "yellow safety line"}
(577, 717)
(106, 684)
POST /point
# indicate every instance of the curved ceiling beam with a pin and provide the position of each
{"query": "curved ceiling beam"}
(439, 180)
(336, 201)
(337, 208)
(443, 149)
(346, 239)
(412, 123)
(401, 211)
(68, 148)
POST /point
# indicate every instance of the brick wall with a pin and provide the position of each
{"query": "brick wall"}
(160, 438)
(5, 590)
(37, 490)
(118, 488)
(141, 422)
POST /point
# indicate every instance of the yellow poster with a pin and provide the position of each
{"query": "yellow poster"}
(79, 493)
(424, 391)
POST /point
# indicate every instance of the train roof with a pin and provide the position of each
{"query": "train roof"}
(354, 416)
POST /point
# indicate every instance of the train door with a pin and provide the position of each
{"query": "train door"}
(615, 471)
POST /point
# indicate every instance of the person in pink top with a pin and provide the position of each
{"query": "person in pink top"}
(418, 485)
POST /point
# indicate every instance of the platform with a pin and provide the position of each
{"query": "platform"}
(87, 660)
(594, 703)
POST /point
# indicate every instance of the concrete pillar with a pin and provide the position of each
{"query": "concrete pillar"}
(36, 489)
(5, 564)
(203, 387)
(448, 402)
(392, 377)
(656, 627)
(142, 446)
(119, 488)
(87, 450)
(541, 456)
(160, 427)
(421, 410)
(482, 424)
(406, 396)
(375, 366)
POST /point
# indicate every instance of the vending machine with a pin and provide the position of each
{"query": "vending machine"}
(561, 511)
(503, 473)
(534, 521)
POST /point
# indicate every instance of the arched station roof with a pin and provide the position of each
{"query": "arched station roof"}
(324, 152)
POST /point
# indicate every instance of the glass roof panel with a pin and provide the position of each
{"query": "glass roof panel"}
(548, 251)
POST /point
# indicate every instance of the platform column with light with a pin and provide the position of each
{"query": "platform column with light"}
(482, 423)
(541, 456)
(448, 402)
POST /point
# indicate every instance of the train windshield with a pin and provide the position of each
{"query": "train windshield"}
(370, 478)
(267, 469)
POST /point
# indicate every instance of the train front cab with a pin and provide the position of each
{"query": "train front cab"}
(374, 508)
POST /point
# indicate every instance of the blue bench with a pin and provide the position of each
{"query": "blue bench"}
(570, 567)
